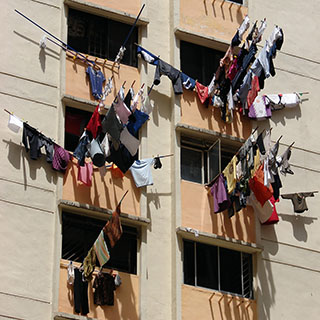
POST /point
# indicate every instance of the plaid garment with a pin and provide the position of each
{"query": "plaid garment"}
(101, 250)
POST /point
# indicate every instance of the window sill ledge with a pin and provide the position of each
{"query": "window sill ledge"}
(86, 208)
(214, 239)
(200, 132)
(106, 12)
(67, 316)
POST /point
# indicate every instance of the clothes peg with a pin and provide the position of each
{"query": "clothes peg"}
(75, 57)
(134, 81)
(124, 84)
(142, 86)
(105, 61)
(95, 60)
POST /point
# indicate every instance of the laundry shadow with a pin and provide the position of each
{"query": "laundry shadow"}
(280, 116)
(298, 223)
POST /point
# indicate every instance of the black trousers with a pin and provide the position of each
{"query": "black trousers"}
(80, 293)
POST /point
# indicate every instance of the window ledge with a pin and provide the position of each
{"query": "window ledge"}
(211, 238)
(79, 103)
(201, 39)
(86, 208)
(210, 133)
(67, 316)
(106, 12)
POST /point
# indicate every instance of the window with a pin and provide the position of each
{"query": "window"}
(202, 161)
(199, 62)
(101, 37)
(218, 268)
(80, 232)
(75, 121)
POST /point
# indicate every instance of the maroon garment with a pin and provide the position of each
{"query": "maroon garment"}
(233, 69)
(202, 92)
(219, 192)
(94, 125)
(253, 92)
(113, 228)
(60, 159)
(104, 287)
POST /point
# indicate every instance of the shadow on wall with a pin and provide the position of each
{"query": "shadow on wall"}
(19, 158)
(280, 116)
(298, 223)
(223, 7)
(266, 290)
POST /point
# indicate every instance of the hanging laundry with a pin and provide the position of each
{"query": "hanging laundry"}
(82, 148)
(219, 193)
(146, 106)
(263, 212)
(134, 127)
(260, 110)
(80, 294)
(129, 141)
(70, 271)
(230, 173)
(173, 74)
(96, 154)
(101, 249)
(136, 99)
(111, 124)
(283, 162)
(104, 285)
(272, 157)
(212, 86)
(107, 89)
(256, 184)
(116, 172)
(187, 82)
(147, 56)
(128, 98)
(280, 101)
(60, 159)
(94, 125)
(121, 157)
(253, 92)
(260, 144)
(105, 146)
(235, 203)
(298, 200)
(30, 139)
(121, 110)
(233, 69)
(202, 92)
(276, 186)
(14, 123)
(157, 163)
(141, 172)
(274, 218)
(113, 228)
(89, 263)
(246, 156)
(85, 173)
(244, 89)
(96, 80)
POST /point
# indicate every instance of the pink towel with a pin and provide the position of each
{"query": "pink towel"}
(85, 173)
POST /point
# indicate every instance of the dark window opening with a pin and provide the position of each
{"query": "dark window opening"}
(80, 232)
(101, 37)
(217, 268)
(202, 161)
(199, 62)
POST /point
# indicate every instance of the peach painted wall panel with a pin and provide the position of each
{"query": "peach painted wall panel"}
(198, 303)
(78, 85)
(128, 6)
(194, 113)
(126, 297)
(104, 192)
(197, 212)
(219, 18)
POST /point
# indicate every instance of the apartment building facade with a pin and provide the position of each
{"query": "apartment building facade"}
(177, 259)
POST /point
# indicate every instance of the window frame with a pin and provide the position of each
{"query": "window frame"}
(74, 213)
(242, 253)
(205, 145)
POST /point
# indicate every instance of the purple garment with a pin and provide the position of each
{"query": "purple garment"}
(259, 109)
(61, 159)
(221, 201)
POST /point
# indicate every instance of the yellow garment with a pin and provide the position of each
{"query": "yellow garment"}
(89, 263)
(230, 172)
(256, 163)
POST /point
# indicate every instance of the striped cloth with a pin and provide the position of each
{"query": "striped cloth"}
(101, 250)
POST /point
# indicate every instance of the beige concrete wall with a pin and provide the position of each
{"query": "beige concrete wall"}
(30, 84)
(199, 303)
(287, 269)
(105, 192)
(218, 18)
